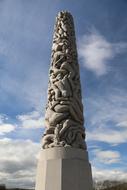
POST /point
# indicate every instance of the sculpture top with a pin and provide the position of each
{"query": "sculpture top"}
(64, 111)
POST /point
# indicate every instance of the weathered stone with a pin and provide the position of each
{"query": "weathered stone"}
(64, 85)
(63, 163)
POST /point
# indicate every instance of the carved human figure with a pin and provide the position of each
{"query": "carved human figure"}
(64, 111)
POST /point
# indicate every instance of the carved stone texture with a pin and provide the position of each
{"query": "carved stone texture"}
(64, 111)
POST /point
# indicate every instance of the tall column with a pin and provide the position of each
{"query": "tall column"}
(63, 162)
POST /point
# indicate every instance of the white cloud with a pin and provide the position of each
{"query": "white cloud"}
(18, 158)
(96, 52)
(112, 107)
(5, 127)
(3, 118)
(31, 120)
(106, 156)
(109, 123)
(109, 174)
(18, 161)
(122, 124)
(110, 136)
(18, 164)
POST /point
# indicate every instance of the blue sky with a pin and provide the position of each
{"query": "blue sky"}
(26, 30)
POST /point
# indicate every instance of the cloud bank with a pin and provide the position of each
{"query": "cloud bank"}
(5, 126)
(109, 123)
(96, 52)
(18, 162)
(109, 174)
(106, 156)
(31, 120)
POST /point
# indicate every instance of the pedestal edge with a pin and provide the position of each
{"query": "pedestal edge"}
(63, 153)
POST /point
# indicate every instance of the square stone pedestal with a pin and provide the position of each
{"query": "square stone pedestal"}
(63, 168)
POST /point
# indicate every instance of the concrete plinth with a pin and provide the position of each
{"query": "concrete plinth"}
(62, 168)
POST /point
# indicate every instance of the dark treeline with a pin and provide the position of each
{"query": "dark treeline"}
(105, 186)
(110, 185)
(3, 187)
(118, 187)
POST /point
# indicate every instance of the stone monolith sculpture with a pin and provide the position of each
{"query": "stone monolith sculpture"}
(63, 162)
